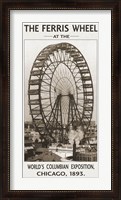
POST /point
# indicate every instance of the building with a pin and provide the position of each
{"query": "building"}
(87, 151)
(28, 146)
(92, 130)
(43, 154)
(28, 126)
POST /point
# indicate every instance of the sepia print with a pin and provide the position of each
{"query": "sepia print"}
(60, 118)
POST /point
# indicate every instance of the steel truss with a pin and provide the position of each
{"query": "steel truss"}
(60, 90)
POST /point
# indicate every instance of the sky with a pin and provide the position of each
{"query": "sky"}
(33, 47)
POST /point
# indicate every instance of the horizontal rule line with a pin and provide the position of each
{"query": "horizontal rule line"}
(74, 35)
(48, 36)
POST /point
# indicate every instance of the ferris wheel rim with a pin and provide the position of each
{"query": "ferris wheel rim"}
(53, 48)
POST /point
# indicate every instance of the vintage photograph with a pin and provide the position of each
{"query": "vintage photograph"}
(60, 107)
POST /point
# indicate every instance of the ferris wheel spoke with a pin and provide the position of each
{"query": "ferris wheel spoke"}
(44, 87)
(47, 75)
(78, 80)
(60, 84)
(61, 94)
(55, 75)
(51, 61)
(48, 84)
(80, 87)
(60, 55)
(60, 81)
(46, 106)
(69, 60)
(54, 58)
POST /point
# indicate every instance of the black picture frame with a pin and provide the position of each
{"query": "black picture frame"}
(115, 7)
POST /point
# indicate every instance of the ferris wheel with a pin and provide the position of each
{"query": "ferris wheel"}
(60, 90)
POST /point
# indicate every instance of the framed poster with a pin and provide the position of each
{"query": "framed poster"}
(60, 100)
